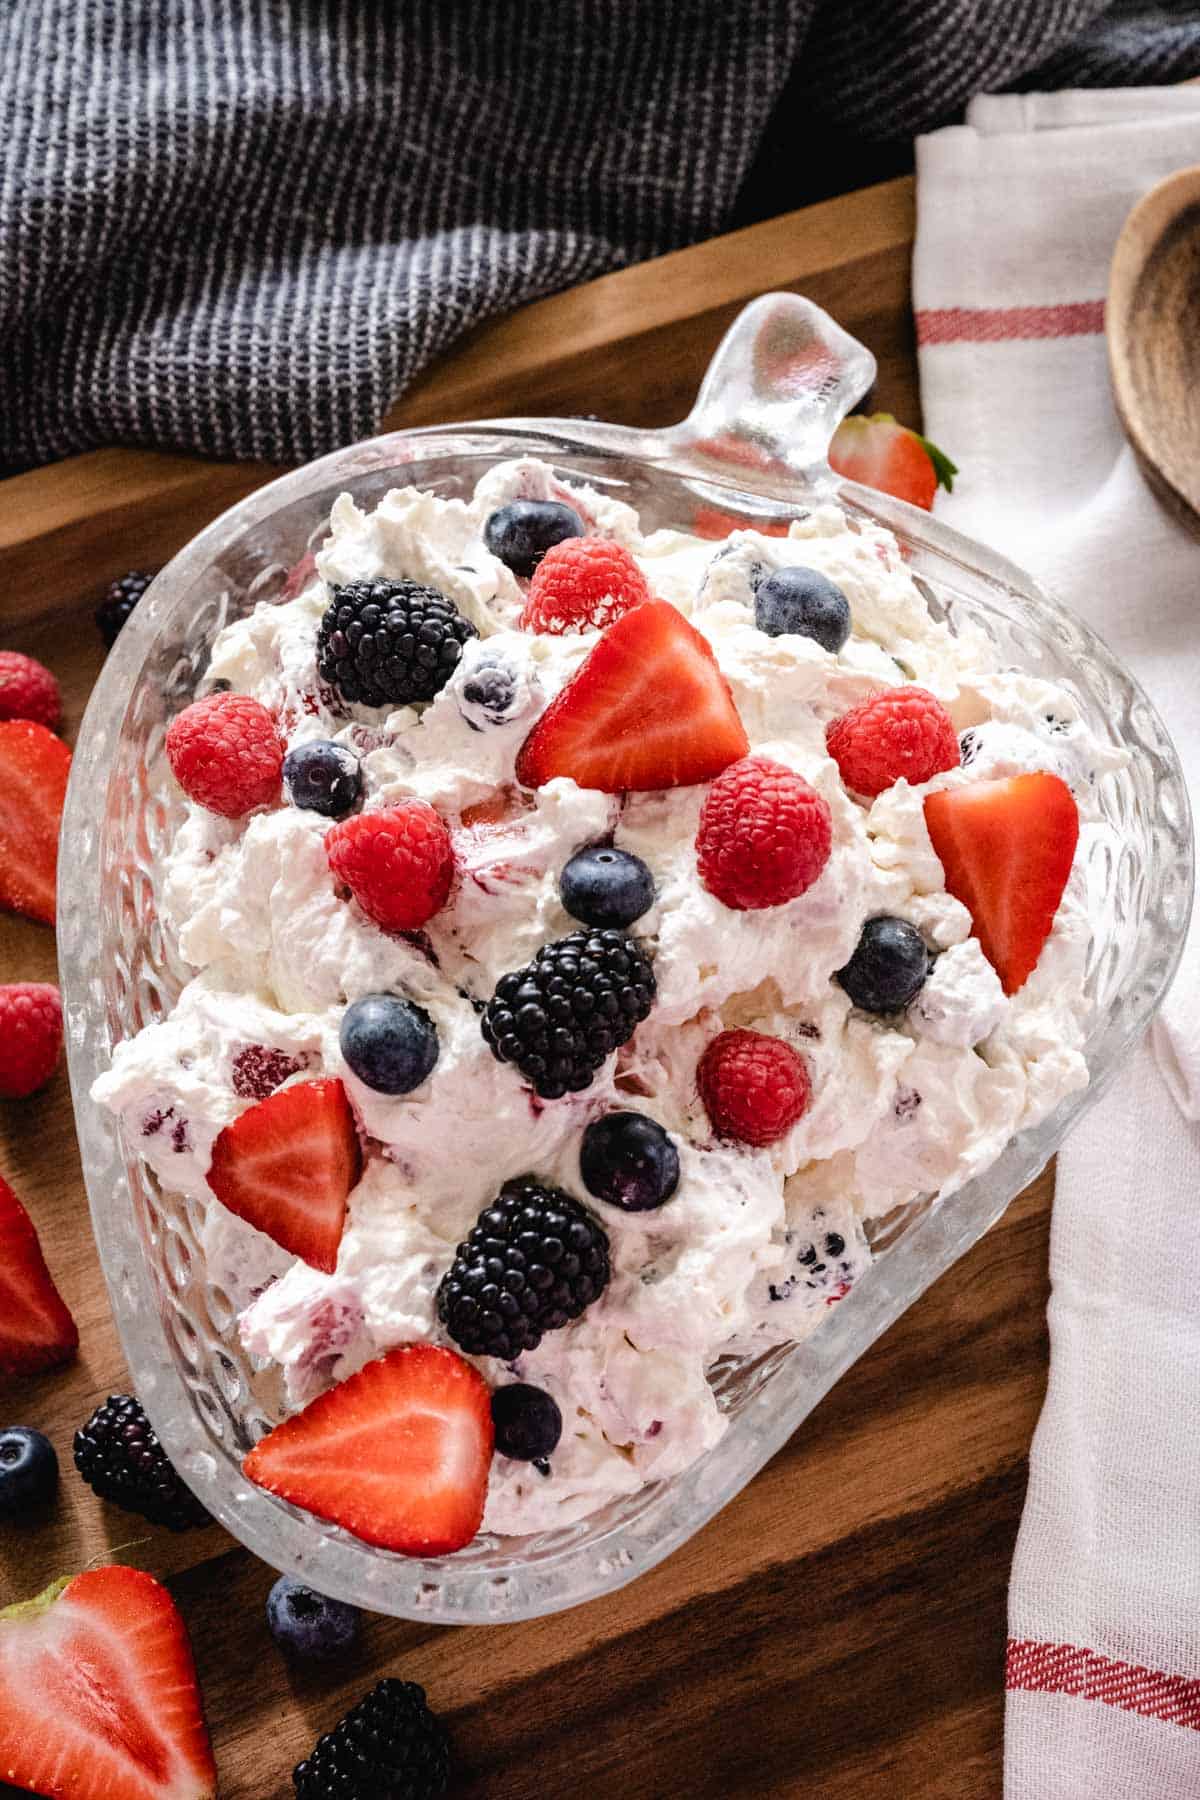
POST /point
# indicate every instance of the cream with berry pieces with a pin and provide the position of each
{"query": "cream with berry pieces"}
(667, 702)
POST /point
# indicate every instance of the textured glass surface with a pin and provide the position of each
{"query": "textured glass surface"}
(121, 970)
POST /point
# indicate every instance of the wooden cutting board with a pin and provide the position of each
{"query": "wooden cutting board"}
(839, 1629)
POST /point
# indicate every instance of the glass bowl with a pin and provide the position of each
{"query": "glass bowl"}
(753, 450)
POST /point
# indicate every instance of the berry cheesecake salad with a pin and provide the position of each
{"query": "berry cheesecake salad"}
(598, 936)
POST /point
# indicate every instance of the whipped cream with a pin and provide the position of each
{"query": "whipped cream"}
(757, 1245)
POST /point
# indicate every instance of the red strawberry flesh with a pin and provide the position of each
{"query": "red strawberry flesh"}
(36, 1330)
(398, 1454)
(34, 766)
(648, 709)
(288, 1165)
(1006, 848)
(98, 1694)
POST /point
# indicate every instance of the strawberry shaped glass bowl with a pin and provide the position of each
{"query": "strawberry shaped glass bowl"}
(752, 451)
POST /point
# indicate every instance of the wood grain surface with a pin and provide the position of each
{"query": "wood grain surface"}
(839, 1629)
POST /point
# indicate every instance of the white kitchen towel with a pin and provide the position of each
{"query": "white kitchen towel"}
(1018, 212)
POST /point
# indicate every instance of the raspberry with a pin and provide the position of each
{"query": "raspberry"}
(28, 690)
(764, 835)
(754, 1087)
(582, 584)
(900, 733)
(258, 1070)
(31, 1031)
(397, 863)
(225, 754)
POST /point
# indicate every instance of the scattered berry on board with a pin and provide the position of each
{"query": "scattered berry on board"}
(583, 584)
(629, 1161)
(754, 1087)
(98, 1693)
(560, 1016)
(528, 1422)
(415, 1426)
(28, 690)
(521, 532)
(606, 887)
(118, 1454)
(226, 755)
(36, 1330)
(764, 835)
(31, 1035)
(805, 603)
(390, 643)
(389, 1043)
(903, 733)
(888, 968)
(533, 1261)
(885, 455)
(118, 603)
(34, 766)
(28, 1472)
(308, 1625)
(398, 863)
(389, 1744)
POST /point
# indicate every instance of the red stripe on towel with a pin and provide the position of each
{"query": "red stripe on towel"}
(1005, 324)
(1064, 1669)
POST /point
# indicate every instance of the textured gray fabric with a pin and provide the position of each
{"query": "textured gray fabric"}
(243, 226)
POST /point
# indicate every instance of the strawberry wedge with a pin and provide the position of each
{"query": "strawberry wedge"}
(288, 1166)
(398, 1454)
(649, 708)
(888, 456)
(36, 1330)
(98, 1694)
(34, 766)
(1007, 847)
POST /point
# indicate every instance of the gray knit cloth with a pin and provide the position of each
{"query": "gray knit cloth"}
(244, 226)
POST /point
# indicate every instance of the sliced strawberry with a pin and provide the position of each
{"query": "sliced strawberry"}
(1007, 848)
(36, 1330)
(34, 766)
(711, 522)
(98, 1694)
(398, 1454)
(649, 708)
(288, 1165)
(884, 455)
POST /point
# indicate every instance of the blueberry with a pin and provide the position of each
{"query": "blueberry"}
(28, 1471)
(630, 1161)
(888, 968)
(390, 1044)
(805, 603)
(521, 532)
(605, 887)
(309, 1626)
(323, 778)
(527, 1420)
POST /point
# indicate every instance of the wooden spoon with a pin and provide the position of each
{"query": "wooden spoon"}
(1152, 322)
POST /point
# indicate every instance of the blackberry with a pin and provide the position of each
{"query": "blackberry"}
(119, 1456)
(119, 601)
(388, 1747)
(388, 643)
(563, 1013)
(532, 1262)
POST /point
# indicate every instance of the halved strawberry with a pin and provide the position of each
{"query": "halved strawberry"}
(288, 1165)
(649, 708)
(34, 766)
(1007, 847)
(884, 455)
(398, 1454)
(98, 1694)
(36, 1330)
